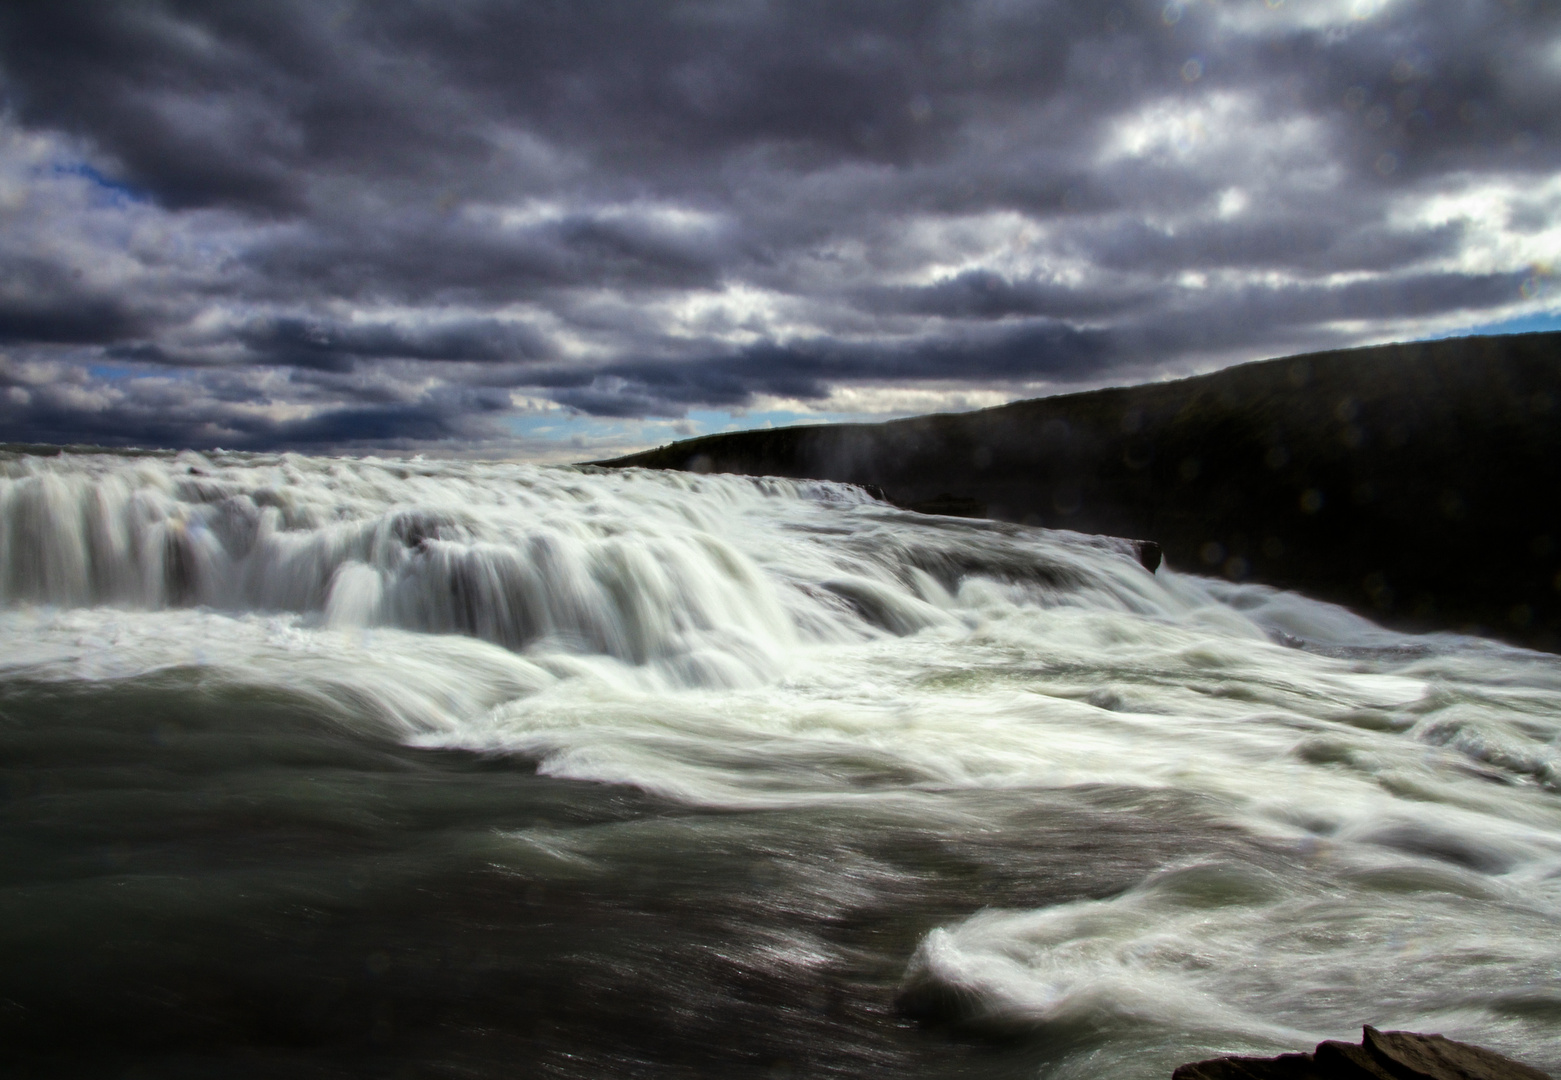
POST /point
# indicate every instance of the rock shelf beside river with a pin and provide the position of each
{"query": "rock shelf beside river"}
(1380, 1055)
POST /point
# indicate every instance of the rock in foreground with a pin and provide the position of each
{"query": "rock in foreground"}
(1380, 1055)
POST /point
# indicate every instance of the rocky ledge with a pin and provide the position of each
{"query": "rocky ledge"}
(1380, 1055)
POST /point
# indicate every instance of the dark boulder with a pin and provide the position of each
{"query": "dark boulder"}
(1149, 554)
(1283, 1067)
(1408, 1056)
(1380, 1055)
(1335, 1058)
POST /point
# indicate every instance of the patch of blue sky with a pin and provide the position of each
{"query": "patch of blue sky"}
(1533, 322)
(562, 425)
(114, 192)
(111, 372)
(709, 421)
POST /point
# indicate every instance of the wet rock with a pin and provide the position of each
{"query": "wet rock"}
(948, 505)
(1336, 1058)
(1380, 1055)
(1408, 1056)
(1149, 554)
(1283, 1067)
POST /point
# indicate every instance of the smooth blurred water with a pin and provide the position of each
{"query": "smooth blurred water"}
(337, 768)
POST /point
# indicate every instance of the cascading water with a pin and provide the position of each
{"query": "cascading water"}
(485, 767)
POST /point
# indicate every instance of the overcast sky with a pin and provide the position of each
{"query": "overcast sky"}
(560, 229)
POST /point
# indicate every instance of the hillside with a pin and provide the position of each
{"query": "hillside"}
(1415, 482)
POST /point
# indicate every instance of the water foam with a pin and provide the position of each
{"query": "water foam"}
(738, 642)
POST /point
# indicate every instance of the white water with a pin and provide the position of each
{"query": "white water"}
(746, 643)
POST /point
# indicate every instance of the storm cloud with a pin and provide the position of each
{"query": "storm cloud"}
(338, 225)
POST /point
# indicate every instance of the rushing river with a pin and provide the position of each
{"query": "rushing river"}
(318, 768)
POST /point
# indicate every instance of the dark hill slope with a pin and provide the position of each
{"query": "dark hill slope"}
(1416, 482)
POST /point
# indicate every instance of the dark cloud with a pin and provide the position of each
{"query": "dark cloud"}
(1308, 242)
(58, 404)
(317, 344)
(181, 106)
(1026, 348)
(424, 421)
(982, 294)
(805, 370)
(422, 257)
(42, 302)
(63, 319)
(335, 223)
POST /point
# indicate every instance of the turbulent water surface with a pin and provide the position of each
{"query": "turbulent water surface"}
(337, 768)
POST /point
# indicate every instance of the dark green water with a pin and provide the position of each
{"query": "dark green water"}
(207, 885)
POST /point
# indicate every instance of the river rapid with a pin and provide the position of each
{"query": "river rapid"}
(326, 767)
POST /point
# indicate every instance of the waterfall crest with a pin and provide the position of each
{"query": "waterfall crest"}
(622, 564)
